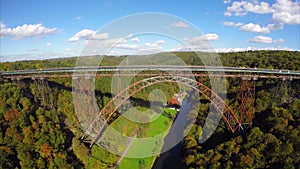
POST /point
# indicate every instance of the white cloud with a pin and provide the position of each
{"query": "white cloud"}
(262, 8)
(68, 49)
(200, 40)
(251, 27)
(100, 36)
(25, 31)
(265, 39)
(279, 40)
(275, 26)
(226, 13)
(103, 45)
(2, 28)
(160, 42)
(287, 6)
(83, 34)
(48, 44)
(232, 24)
(87, 34)
(152, 45)
(36, 56)
(287, 11)
(227, 1)
(237, 8)
(123, 46)
(135, 39)
(226, 50)
(107, 4)
(129, 36)
(198, 43)
(147, 48)
(210, 37)
(283, 11)
(243, 7)
(180, 24)
(287, 18)
(78, 17)
(126, 46)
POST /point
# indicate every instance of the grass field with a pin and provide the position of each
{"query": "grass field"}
(151, 142)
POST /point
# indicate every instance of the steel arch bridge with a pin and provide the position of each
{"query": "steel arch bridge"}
(98, 124)
(243, 110)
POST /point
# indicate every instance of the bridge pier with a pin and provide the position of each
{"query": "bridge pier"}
(282, 93)
(42, 92)
(18, 81)
(85, 102)
(245, 101)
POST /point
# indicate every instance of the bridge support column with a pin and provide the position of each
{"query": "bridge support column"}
(84, 100)
(126, 105)
(283, 91)
(42, 92)
(246, 100)
(18, 81)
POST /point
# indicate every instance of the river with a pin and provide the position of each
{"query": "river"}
(172, 158)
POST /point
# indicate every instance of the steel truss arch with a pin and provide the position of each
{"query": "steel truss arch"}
(95, 127)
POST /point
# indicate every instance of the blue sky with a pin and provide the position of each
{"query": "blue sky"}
(61, 28)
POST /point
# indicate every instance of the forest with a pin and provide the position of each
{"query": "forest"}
(35, 135)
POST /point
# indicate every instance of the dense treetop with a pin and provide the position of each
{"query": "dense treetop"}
(259, 59)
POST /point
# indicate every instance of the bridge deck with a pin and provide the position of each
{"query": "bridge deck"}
(149, 70)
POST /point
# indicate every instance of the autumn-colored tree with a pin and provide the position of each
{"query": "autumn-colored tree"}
(46, 151)
(11, 115)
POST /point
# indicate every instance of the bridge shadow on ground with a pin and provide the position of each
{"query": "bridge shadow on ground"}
(99, 94)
